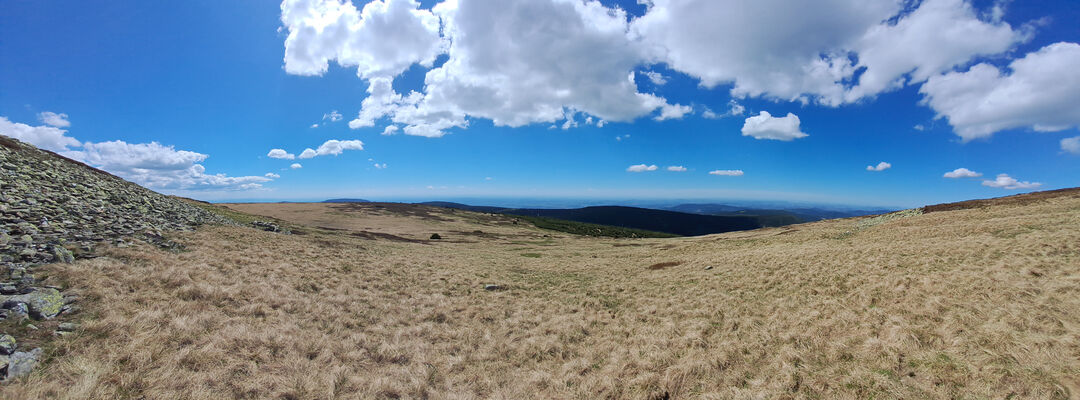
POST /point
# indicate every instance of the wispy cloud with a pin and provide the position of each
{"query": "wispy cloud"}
(727, 172)
(641, 168)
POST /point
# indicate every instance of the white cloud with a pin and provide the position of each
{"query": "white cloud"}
(920, 128)
(936, 37)
(881, 166)
(519, 62)
(1071, 145)
(830, 51)
(1041, 93)
(641, 168)
(380, 166)
(727, 172)
(313, 126)
(332, 147)
(391, 130)
(45, 137)
(734, 109)
(673, 111)
(333, 116)
(765, 126)
(160, 167)
(1005, 181)
(280, 154)
(382, 39)
(621, 137)
(53, 119)
(511, 62)
(335, 147)
(656, 78)
(766, 47)
(272, 175)
(962, 173)
(676, 168)
(296, 166)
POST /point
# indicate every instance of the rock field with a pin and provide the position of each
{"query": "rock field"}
(53, 209)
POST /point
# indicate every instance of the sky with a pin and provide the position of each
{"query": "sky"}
(862, 102)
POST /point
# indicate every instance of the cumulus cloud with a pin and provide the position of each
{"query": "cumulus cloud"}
(1071, 145)
(296, 166)
(280, 154)
(160, 167)
(53, 119)
(673, 111)
(382, 39)
(380, 166)
(1040, 92)
(332, 147)
(676, 168)
(832, 51)
(1005, 181)
(962, 173)
(511, 62)
(43, 136)
(391, 130)
(765, 126)
(641, 168)
(519, 62)
(272, 175)
(727, 172)
(881, 166)
(935, 38)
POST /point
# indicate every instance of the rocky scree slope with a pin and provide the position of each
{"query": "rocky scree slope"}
(53, 209)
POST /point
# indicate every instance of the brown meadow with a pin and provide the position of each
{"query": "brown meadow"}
(969, 302)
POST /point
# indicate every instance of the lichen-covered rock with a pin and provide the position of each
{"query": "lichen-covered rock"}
(7, 344)
(42, 303)
(21, 363)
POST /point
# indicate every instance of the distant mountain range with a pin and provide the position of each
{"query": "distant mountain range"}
(689, 219)
(683, 219)
(346, 201)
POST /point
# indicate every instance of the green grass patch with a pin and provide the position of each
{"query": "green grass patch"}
(531, 255)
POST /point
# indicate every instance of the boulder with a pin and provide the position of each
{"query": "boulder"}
(21, 363)
(41, 303)
(7, 344)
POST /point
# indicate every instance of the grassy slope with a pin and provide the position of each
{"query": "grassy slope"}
(977, 302)
(586, 229)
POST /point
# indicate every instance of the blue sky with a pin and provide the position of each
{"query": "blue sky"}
(986, 86)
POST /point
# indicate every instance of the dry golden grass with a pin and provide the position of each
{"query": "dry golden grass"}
(973, 303)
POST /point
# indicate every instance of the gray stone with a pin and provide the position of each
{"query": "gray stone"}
(67, 327)
(41, 303)
(492, 287)
(21, 363)
(7, 344)
(708, 267)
